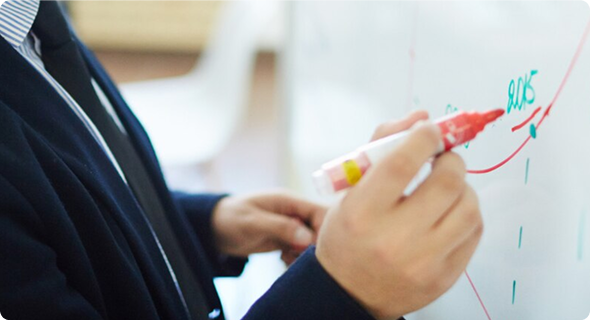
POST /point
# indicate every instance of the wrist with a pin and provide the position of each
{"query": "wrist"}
(219, 224)
(367, 304)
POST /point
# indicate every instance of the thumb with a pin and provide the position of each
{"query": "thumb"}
(288, 230)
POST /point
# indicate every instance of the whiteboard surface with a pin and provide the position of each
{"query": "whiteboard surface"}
(354, 65)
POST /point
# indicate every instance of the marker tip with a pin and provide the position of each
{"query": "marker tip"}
(492, 115)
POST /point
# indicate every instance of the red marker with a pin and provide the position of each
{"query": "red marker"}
(346, 171)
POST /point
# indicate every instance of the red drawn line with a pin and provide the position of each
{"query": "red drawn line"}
(477, 294)
(521, 125)
(546, 113)
(493, 168)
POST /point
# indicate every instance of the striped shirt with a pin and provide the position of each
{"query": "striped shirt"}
(16, 20)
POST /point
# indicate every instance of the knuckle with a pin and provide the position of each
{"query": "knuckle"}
(452, 180)
(478, 232)
(473, 218)
(457, 162)
(478, 223)
(451, 162)
(472, 206)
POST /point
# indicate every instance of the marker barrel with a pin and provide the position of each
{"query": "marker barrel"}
(345, 171)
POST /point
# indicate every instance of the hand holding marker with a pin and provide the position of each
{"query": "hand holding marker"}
(402, 251)
(347, 170)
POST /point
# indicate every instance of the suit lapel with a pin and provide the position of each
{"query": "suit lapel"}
(41, 107)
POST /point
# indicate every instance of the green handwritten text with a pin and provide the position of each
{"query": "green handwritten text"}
(521, 92)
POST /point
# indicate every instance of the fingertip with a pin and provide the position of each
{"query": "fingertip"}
(395, 126)
(420, 114)
(303, 237)
(289, 256)
(415, 117)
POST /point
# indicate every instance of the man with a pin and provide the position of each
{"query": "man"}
(89, 228)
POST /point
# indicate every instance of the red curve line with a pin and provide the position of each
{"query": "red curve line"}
(521, 125)
(477, 294)
(546, 113)
(493, 168)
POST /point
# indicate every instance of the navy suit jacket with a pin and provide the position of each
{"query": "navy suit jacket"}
(74, 243)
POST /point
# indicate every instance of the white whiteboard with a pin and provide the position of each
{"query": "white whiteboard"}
(353, 65)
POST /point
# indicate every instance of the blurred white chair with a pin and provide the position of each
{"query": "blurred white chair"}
(192, 117)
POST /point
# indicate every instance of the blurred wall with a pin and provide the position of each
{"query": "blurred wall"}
(163, 26)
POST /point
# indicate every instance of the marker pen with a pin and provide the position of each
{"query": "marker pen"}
(347, 170)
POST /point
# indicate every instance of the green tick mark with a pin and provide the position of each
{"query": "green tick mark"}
(526, 173)
(520, 238)
(513, 291)
(533, 131)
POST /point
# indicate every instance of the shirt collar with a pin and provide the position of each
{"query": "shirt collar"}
(16, 19)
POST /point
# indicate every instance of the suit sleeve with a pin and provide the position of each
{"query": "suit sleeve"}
(306, 291)
(31, 284)
(199, 208)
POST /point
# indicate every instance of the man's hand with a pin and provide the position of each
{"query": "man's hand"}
(396, 253)
(266, 222)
